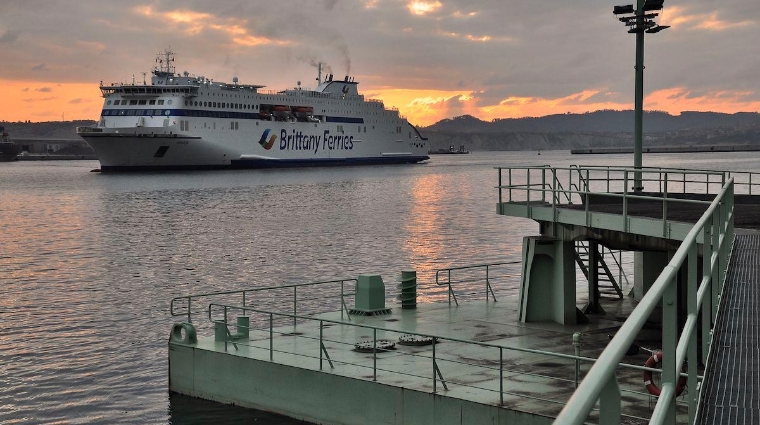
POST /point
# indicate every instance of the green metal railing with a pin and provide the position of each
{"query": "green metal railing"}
(183, 306)
(487, 268)
(712, 180)
(716, 233)
(571, 184)
(541, 187)
(267, 333)
(605, 254)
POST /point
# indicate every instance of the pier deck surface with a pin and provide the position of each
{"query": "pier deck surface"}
(746, 213)
(731, 391)
(532, 383)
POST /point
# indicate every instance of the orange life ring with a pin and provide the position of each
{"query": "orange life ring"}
(653, 361)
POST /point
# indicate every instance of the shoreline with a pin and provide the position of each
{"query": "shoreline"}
(53, 157)
(669, 149)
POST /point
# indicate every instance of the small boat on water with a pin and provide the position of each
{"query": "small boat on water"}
(180, 121)
(451, 151)
(8, 149)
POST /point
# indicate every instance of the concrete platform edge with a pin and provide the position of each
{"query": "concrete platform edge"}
(321, 397)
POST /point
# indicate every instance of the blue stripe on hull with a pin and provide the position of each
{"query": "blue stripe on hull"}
(327, 162)
(274, 163)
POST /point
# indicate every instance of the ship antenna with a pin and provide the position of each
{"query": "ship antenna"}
(165, 62)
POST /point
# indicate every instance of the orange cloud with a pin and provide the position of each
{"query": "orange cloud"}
(423, 7)
(49, 101)
(677, 99)
(194, 23)
(425, 107)
(678, 17)
(515, 107)
(471, 37)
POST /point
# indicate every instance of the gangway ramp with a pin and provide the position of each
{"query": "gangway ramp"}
(731, 389)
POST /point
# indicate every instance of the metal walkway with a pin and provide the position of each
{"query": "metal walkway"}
(731, 392)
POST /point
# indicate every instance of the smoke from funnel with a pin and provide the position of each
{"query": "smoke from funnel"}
(313, 61)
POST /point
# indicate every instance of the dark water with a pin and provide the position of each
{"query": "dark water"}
(89, 262)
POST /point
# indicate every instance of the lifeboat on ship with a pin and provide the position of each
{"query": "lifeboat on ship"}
(303, 112)
(281, 112)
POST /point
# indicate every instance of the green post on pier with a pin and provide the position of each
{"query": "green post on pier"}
(638, 136)
(639, 21)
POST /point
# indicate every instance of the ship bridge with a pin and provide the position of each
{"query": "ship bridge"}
(146, 91)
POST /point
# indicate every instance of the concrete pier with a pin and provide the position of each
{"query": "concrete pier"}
(485, 366)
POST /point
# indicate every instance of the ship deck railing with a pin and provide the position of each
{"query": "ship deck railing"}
(711, 236)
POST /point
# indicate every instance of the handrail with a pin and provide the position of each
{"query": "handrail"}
(725, 174)
(716, 222)
(448, 281)
(435, 375)
(588, 178)
(586, 181)
(606, 252)
(188, 299)
(622, 273)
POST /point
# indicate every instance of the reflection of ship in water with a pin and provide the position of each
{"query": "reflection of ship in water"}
(8, 150)
(450, 151)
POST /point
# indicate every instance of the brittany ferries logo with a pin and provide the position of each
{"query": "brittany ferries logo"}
(267, 143)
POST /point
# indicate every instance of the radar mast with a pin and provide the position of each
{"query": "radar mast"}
(164, 63)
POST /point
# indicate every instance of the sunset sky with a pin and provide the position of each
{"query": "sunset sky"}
(431, 59)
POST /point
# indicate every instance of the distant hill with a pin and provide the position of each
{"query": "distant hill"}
(594, 130)
(54, 130)
(606, 121)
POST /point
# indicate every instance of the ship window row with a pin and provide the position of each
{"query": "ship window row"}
(212, 114)
(135, 112)
(139, 102)
(224, 105)
(178, 112)
(184, 125)
(146, 90)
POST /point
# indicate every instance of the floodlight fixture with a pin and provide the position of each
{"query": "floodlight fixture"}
(657, 29)
(620, 10)
(653, 5)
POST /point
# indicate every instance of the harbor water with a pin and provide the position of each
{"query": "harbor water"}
(89, 262)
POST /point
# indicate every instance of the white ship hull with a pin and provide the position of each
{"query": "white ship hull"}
(183, 122)
(294, 144)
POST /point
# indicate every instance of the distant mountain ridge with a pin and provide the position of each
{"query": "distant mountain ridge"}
(605, 121)
(58, 130)
(599, 129)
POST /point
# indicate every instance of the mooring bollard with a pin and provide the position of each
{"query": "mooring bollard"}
(408, 286)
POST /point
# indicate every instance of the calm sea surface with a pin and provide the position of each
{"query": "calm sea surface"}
(89, 261)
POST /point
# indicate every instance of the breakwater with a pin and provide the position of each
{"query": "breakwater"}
(669, 149)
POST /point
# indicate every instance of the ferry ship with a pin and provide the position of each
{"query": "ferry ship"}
(179, 121)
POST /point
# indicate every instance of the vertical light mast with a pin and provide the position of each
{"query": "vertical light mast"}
(639, 22)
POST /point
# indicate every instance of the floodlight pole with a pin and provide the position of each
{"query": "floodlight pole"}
(638, 131)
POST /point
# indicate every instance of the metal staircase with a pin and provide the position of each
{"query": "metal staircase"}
(607, 283)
